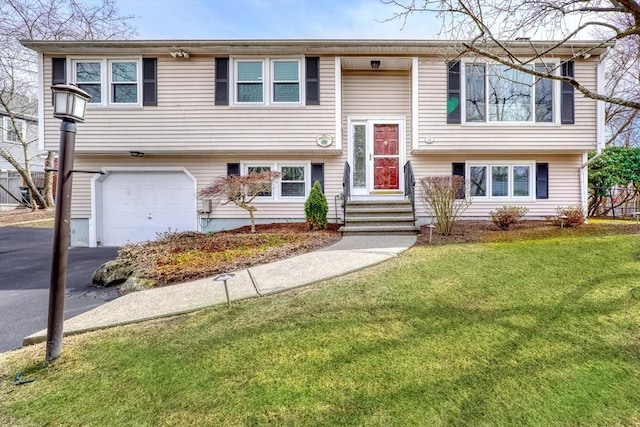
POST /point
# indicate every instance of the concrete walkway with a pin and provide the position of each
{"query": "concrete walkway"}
(350, 254)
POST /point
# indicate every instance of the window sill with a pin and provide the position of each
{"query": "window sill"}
(511, 124)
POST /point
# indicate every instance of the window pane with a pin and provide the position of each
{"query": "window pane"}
(293, 173)
(359, 157)
(11, 134)
(125, 93)
(250, 92)
(87, 72)
(544, 96)
(293, 189)
(521, 185)
(285, 71)
(478, 181)
(500, 181)
(285, 92)
(258, 169)
(509, 95)
(250, 71)
(475, 92)
(124, 72)
(94, 90)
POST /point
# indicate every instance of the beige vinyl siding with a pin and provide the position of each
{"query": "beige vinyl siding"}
(578, 137)
(367, 94)
(564, 181)
(186, 119)
(204, 169)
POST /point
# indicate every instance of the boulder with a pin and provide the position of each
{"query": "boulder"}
(111, 273)
(134, 284)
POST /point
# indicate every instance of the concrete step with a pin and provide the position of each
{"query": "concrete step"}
(379, 217)
(395, 229)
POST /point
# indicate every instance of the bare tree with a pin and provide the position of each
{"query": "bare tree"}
(496, 29)
(44, 20)
(444, 199)
(241, 190)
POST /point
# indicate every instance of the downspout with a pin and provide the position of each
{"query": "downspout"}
(600, 134)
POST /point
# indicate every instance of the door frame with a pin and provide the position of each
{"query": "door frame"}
(369, 122)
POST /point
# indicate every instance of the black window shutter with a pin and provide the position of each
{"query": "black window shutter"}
(222, 81)
(58, 72)
(317, 174)
(233, 169)
(312, 75)
(149, 81)
(567, 95)
(459, 169)
(454, 115)
(542, 180)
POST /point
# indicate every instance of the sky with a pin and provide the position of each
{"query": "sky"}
(273, 19)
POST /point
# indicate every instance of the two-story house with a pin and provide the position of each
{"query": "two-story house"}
(166, 117)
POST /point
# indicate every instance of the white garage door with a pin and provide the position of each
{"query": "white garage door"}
(134, 206)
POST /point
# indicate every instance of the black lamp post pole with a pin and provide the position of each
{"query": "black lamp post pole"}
(61, 230)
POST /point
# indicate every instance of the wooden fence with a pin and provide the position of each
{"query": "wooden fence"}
(12, 181)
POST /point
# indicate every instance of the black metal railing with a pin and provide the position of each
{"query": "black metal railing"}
(346, 189)
(410, 186)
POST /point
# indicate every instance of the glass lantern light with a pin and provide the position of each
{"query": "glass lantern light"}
(69, 102)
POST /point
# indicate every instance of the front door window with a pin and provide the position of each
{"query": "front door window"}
(359, 157)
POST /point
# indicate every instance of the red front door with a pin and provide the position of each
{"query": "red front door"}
(386, 157)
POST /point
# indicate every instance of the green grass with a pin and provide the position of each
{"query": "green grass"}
(540, 332)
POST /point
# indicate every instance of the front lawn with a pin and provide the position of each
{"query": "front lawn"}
(540, 332)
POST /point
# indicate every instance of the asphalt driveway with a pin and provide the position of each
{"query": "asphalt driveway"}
(25, 265)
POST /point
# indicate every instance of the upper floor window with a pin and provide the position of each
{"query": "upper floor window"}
(286, 81)
(109, 81)
(497, 93)
(11, 133)
(267, 81)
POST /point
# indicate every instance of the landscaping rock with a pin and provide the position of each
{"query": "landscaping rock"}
(134, 284)
(111, 273)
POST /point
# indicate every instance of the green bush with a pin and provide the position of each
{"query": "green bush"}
(508, 215)
(316, 208)
(574, 216)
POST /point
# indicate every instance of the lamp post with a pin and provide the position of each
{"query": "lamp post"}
(69, 105)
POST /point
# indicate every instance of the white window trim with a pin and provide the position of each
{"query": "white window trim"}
(276, 196)
(267, 81)
(463, 96)
(511, 164)
(105, 79)
(7, 125)
(272, 81)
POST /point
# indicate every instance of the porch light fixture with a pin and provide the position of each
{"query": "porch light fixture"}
(69, 105)
(375, 64)
(179, 54)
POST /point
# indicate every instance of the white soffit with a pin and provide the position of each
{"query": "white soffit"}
(386, 63)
